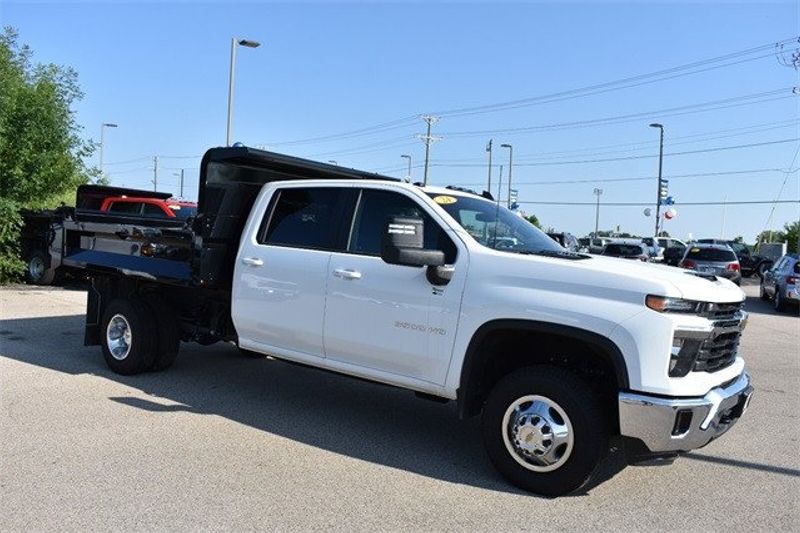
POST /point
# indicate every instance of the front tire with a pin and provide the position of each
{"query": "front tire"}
(544, 430)
(129, 336)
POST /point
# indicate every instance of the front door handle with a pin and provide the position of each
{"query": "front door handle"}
(252, 261)
(345, 273)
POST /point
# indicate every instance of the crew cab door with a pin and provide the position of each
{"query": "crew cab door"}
(281, 272)
(388, 322)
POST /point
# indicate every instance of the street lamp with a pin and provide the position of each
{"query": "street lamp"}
(510, 163)
(103, 127)
(406, 156)
(597, 192)
(660, 164)
(234, 42)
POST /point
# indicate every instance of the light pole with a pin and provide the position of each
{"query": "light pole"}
(234, 43)
(489, 181)
(406, 156)
(180, 175)
(510, 163)
(660, 164)
(597, 192)
(103, 127)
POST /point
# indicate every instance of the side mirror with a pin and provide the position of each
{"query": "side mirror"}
(403, 244)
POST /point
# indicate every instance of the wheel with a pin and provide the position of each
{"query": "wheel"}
(129, 343)
(778, 301)
(544, 430)
(36, 271)
(169, 341)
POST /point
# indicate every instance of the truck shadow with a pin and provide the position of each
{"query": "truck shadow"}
(366, 421)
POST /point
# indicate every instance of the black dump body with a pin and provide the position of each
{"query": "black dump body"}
(199, 252)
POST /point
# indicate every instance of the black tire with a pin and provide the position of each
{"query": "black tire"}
(169, 340)
(35, 270)
(143, 336)
(589, 425)
(779, 302)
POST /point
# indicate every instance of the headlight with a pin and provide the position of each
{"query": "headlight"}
(664, 304)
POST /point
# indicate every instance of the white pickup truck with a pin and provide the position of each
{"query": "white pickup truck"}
(437, 290)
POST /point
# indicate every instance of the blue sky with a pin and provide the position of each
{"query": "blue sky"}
(160, 69)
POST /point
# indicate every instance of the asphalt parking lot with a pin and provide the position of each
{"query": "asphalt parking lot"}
(224, 442)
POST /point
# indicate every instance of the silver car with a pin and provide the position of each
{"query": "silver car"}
(714, 259)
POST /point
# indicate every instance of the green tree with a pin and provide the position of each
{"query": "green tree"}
(792, 233)
(41, 151)
(534, 220)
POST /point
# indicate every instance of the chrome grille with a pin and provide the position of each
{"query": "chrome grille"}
(719, 351)
(724, 311)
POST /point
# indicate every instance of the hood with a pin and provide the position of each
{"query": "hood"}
(620, 278)
(676, 281)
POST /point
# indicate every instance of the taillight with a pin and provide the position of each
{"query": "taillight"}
(792, 280)
(688, 263)
(733, 267)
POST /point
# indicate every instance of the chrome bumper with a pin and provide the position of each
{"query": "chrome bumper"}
(683, 424)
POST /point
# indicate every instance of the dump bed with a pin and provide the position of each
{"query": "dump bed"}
(194, 252)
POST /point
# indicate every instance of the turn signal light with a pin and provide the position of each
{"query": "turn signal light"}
(732, 266)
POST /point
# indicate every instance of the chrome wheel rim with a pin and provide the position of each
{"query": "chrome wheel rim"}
(36, 268)
(118, 337)
(538, 433)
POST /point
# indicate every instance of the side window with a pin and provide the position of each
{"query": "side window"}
(125, 208)
(153, 211)
(376, 207)
(303, 218)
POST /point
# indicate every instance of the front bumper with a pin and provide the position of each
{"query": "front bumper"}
(683, 424)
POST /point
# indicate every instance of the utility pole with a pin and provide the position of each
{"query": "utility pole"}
(489, 181)
(660, 165)
(155, 173)
(597, 192)
(428, 139)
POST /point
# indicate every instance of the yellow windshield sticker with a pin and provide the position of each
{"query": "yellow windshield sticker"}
(694, 250)
(444, 200)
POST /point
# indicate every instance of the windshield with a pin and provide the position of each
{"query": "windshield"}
(623, 249)
(711, 254)
(495, 226)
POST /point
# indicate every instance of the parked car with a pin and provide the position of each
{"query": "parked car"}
(750, 263)
(655, 251)
(781, 283)
(670, 242)
(627, 251)
(366, 275)
(715, 259)
(597, 244)
(674, 254)
(567, 240)
(149, 207)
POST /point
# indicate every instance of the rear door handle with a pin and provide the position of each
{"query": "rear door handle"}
(252, 261)
(345, 273)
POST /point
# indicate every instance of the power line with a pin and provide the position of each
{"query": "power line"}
(660, 75)
(645, 204)
(713, 104)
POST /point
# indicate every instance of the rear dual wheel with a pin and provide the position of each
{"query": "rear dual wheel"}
(139, 335)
